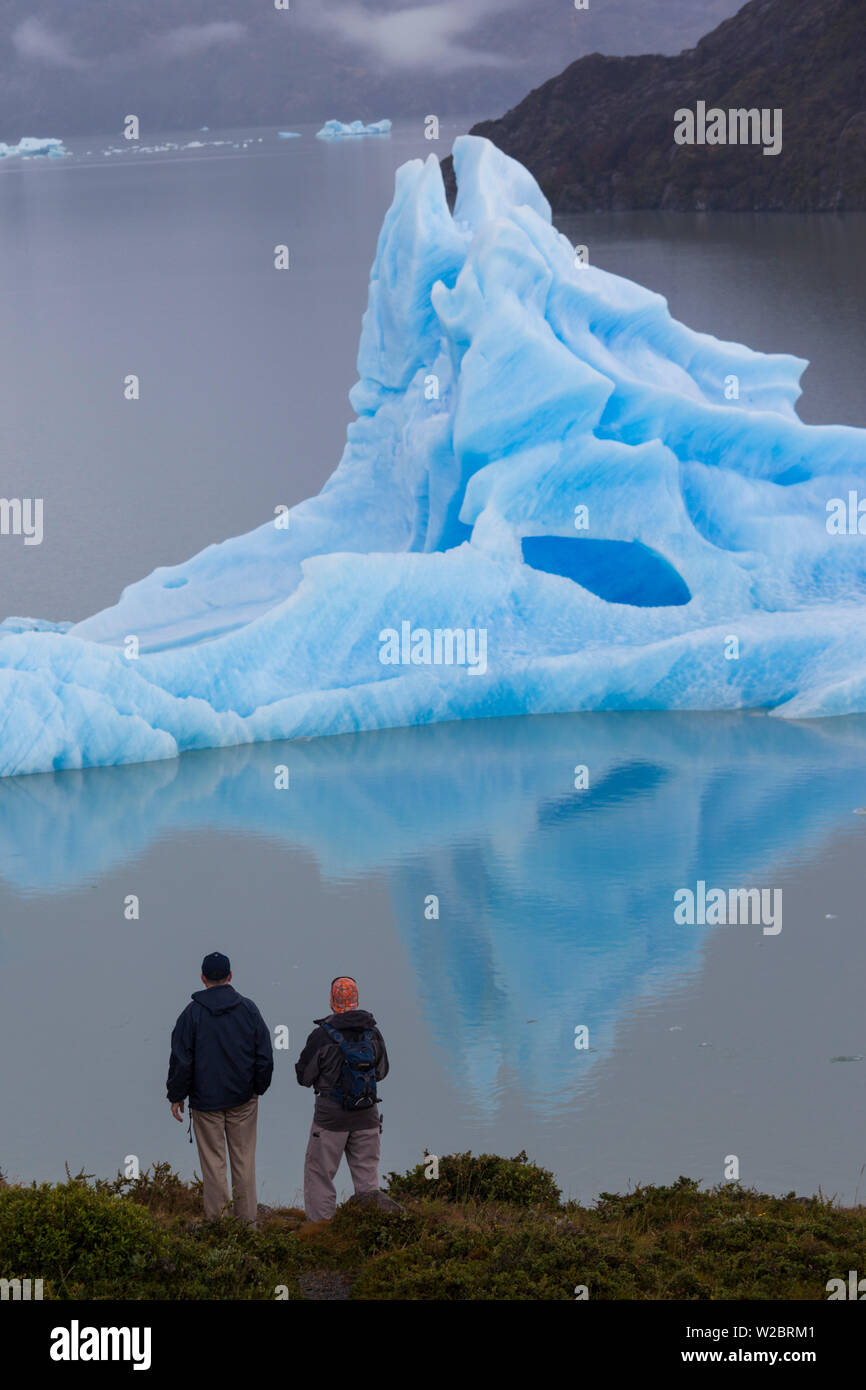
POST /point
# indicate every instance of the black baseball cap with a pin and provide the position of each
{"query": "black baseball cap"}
(216, 966)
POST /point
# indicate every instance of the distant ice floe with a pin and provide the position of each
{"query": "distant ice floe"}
(134, 147)
(289, 134)
(630, 514)
(336, 130)
(32, 146)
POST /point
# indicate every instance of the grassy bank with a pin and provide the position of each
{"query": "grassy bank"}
(486, 1228)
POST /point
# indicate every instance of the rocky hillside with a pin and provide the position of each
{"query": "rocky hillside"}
(601, 135)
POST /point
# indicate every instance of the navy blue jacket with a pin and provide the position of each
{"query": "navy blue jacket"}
(221, 1052)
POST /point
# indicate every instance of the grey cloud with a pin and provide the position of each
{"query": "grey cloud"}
(33, 39)
(188, 40)
(422, 36)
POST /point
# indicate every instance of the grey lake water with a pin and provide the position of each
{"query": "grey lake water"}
(556, 901)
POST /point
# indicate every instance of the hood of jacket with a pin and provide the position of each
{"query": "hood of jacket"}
(353, 1018)
(218, 1000)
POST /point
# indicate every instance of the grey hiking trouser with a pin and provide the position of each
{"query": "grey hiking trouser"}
(324, 1151)
(214, 1129)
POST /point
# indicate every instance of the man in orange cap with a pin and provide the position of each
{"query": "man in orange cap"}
(342, 1060)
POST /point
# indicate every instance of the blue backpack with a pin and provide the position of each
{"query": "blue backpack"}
(357, 1088)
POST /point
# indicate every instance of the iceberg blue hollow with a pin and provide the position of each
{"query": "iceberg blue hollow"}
(541, 456)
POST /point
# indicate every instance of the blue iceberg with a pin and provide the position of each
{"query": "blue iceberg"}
(554, 498)
(337, 130)
(34, 145)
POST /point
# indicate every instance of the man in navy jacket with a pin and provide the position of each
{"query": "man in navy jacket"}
(222, 1060)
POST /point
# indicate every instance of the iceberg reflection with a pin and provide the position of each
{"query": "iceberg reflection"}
(555, 905)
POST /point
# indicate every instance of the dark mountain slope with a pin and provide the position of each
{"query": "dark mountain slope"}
(601, 135)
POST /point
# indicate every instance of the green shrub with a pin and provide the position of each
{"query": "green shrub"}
(480, 1178)
(227, 1260)
(489, 1228)
(520, 1258)
(370, 1231)
(162, 1191)
(75, 1237)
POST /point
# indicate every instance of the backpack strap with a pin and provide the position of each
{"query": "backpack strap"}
(336, 1037)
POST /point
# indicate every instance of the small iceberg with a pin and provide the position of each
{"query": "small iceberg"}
(289, 134)
(336, 130)
(32, 146)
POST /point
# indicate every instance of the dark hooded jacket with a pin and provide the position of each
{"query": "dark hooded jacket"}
(221, 1052)
(320, 1064)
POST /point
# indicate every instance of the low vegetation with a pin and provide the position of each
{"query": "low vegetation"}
(485, 1228)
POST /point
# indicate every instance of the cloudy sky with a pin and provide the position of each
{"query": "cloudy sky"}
(66, 69)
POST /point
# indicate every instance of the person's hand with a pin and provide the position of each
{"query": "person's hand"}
(177, 1110)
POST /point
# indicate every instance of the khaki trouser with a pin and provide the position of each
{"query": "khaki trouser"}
(324, 1151)
(237, 1128)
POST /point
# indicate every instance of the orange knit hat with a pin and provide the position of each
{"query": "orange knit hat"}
(344, 994)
